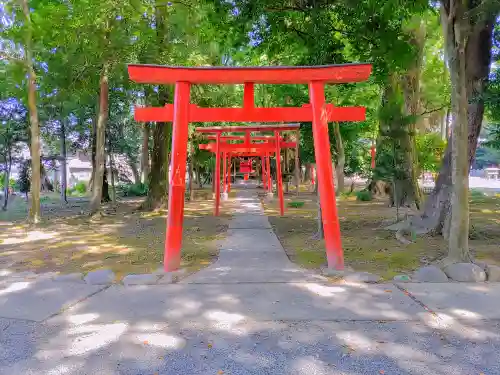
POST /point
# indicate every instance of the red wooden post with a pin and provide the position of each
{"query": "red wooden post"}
(264, 177)
(229, 173)
(279, 182)
(331, 227)
(173, 240)
(248, 95)
(269, 175)
(217, 175)
(224, 172)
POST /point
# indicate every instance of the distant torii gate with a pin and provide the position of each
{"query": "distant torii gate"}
(181, 113)
(266, 147)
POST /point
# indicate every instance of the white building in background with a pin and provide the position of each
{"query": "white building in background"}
(78, 168)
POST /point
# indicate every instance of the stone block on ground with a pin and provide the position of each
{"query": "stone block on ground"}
(465, 272)
(72, 278)
(483, 265)
(140, 279)
(402, 278)
(430, 274)
(493, 273)
(362, 277)
(100, 277)
(332, 272)
(167, 278)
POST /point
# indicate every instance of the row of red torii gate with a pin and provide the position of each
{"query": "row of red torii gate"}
(182, 112)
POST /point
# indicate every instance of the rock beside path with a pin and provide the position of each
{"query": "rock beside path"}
(465, 272)
(430, 274)
(100, 277)
(493, 273)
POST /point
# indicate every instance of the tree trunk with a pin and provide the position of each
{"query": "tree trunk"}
(190, 186)
(456, 35)
(477, 56)
(297, 163)
(100, 159)
(320, 234)
(112, 171)
(339, 167)
(145, 153)
(132, 163)
(396, 142)
(8, 167)
(158, 176)
(35, 211)
(64, 177)
(198, 177)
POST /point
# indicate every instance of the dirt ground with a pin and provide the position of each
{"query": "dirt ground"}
(367, 246)
(126, 241)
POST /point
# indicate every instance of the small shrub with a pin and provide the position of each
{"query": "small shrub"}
(80, 188)
(474, 193)
(364, 196)
(296, 204)
(134, 190)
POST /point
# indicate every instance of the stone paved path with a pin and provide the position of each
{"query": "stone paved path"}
(252, 312)
(251, 252)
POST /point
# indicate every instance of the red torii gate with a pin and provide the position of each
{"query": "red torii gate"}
(271, 145)
(181, 113)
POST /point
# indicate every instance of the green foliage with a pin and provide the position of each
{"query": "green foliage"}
(80, 187)
(364, 195)
(430, 151)
(134, 190)
(12, 182)
(296, 204)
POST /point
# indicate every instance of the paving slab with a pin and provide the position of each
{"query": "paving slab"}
(246, 240)
(232, 275)
(38, 300)
(471, 301)
(257, 221)
(254, 301)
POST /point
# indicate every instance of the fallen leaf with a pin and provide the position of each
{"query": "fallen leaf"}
(388, 291)
(382, 371)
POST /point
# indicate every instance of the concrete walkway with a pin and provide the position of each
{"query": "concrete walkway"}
(252, 312)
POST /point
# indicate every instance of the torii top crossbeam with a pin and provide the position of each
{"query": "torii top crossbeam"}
(344, 73)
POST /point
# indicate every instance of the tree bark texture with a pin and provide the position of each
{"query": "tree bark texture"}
(64, 177)
(396, 160)
(477, 58)
(158, 175)
(8, 167)
(145, 153)
(339, 166)
(100, 158)
(35, 210)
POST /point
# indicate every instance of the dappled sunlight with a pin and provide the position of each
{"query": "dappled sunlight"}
(160, 340)
(128, 242)
(14, 287)
(30, 237)
(323, 291)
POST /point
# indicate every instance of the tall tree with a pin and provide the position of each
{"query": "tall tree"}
(468, 30)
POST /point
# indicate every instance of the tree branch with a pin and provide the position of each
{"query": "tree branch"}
(433, 110)
(6, 56)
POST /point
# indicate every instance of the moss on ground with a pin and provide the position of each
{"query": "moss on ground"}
(367, 246)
